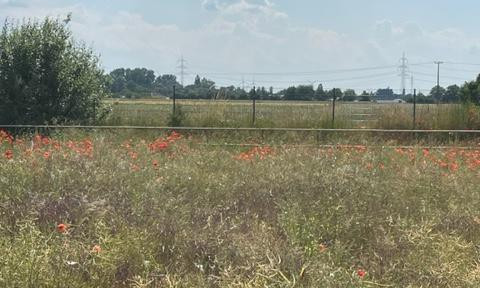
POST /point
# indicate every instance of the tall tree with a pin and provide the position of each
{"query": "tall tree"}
(349, 95)
(470, 91)
(320, 93)
(164, 84)
(291, 93)
(45, 76)
(437, 93)
(305, 92)
(452, 94)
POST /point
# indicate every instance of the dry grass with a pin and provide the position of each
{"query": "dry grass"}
(203, 113)
(172, 213)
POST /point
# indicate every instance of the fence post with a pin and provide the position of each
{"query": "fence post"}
(414, 109)
(94, 111)
(333, 107)
(253, 107)
(174, 100)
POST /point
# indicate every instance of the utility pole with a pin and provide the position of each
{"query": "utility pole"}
(243, 83)
(403, 72)
(182, 66)
(438, 63)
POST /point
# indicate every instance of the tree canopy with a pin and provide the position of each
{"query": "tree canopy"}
(47, 77)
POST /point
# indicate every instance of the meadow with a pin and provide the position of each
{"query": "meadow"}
(151, 209)
(291, 114)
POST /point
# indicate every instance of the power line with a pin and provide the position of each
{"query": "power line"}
(435, 75)
(461, 63)
(287, 73)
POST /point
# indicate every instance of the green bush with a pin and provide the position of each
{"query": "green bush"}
(46, 77)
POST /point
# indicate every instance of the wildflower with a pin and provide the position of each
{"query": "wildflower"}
(96, 249)
(322, 247)
(133, 155)
(46, 155)
(426, 152)
(8, 154)
(155, 163)
(361, 273)
(5, 136)
(135, 167)
(453, 167)
(62, 228)
(399, 151)
(174, 136)
(158, 145)
(443, 164)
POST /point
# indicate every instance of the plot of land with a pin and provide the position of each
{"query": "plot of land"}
(286, 114)
(148, 210)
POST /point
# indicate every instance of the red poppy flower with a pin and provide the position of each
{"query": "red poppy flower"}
(62, 228)
(46, 155)
(361, 273)
(96, 249)
(8, 154)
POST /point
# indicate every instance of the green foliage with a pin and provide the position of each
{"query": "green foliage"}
(437, 93)
(177, 118)
(203, 217)
(320, 94)
(349, 95)
(385, 94)
(133, 83)
(365, 97)
(452, 94)
(335, 93)
(46, 77)
(470, 92)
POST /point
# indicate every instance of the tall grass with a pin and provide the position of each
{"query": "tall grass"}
(174, 213)
(296, 114)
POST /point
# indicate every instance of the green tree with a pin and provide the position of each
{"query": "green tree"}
(437, 93)
(164, 84)
(470, 92)
(452, 94)
(365, 97)
(305, 92)
(320, 93)
(291, 93)
(385, 94)
(47, 77)
(133, 83)
(335, 91)
(349, 95)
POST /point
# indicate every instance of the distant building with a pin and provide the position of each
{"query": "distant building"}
(391, 101)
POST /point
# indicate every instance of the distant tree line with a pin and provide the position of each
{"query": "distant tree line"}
(143, 83)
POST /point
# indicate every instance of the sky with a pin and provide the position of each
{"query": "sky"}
(275, 43)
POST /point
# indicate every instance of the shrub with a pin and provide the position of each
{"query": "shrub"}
(46, 77)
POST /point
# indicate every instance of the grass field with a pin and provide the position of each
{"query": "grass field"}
(118, 209)
(205, 113)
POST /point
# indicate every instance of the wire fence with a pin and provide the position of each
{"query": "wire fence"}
(246, 129)
(381, 114)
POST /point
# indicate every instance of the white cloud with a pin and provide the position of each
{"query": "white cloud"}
(245, 35)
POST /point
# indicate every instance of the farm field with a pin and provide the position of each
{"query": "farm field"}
(130, 209)
(296, 114)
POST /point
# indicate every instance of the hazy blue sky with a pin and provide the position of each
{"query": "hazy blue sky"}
(230, 39)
